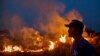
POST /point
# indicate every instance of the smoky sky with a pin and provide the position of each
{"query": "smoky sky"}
(30, 11)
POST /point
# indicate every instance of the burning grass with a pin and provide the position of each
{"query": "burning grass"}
(53, 48)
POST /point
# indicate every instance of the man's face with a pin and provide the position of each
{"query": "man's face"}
(71, 32)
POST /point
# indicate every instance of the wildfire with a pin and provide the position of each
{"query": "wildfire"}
(51, 46)
(11, 48)
(63, 39)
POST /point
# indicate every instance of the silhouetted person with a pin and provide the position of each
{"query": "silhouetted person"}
(80, 46)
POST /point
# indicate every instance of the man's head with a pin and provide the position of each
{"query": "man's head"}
(75, 28)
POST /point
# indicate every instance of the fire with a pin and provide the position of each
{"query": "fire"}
(87, 39)
(39, 50)
(72, 39)
(63, 39)
(16, 48)
(11, 48)
(51, 46)
(91, 40)
(8, 48)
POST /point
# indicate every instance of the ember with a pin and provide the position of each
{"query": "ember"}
(39, 50)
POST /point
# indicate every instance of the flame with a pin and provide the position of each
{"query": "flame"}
(91, 40)
(8, 48)
(72, 39)
(11, 48)
(63, 39)
(16, 48)
(39, 50)
(51, 46)
(86, 39)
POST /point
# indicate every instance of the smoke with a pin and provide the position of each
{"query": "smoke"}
(73, 15)
(46, 21)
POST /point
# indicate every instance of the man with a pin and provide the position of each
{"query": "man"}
(80, 46)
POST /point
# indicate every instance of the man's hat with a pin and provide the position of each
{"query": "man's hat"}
(75, 24)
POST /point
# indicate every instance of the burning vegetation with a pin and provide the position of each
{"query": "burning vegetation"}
(47, 36)
(38, 44)
(50, 39)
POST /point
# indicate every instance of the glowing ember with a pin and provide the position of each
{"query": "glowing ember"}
(51, 46)
(39, 50)
(63, 39)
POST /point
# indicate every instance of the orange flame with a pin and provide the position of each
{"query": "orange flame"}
(39, 50)
(17, 48)
(72, 39)
(51, 46)
(63, 39)
(8, 48)
(11, 48)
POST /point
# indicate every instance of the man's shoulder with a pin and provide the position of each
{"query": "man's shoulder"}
(84, 47)
(83, 44)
